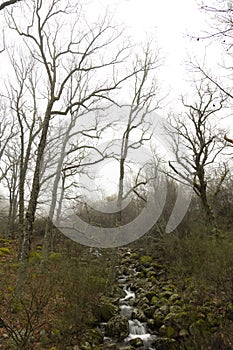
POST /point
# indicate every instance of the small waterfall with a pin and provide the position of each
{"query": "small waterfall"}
(126, 310)
(129, 295)
(136, 327)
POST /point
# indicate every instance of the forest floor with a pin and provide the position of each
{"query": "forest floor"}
(63, 306)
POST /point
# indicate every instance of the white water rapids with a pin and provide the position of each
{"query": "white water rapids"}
(137, 329)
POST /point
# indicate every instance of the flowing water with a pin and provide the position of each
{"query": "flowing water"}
(137, 329)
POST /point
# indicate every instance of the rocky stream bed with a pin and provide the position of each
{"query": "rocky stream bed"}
(148, 310)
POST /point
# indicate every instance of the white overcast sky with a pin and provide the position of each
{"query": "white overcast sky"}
(170, 22)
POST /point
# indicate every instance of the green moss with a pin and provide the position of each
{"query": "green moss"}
(170, 332)
(55, 256)
(34, 256)
(134, 256)
(155, 300)
(146, 259)
(4, 251)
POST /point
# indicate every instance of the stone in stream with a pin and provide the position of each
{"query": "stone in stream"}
(136, 342)
(166, 344)
(139, 314)
(107, 310)
(117, 327)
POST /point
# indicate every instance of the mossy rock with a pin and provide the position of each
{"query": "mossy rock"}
(155, 300)
(94, 337)
(166, 344)
(151, 274)
(139, 315)
(168, 331)
(170, 318)
(4, 251)
(149, 295)
(107, 309)
(117, 327)
(183, 333)
(158, 319)
(164, 309)
(199, 328)
(134, 256)
(174, 297)
(85, 346)
(146, 259)
(175, 309)
(149, 311)
(166, 294)
(34, 256)
(6, 242)
(55, 256)
(136, 342)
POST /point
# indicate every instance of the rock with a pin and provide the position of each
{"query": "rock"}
(149, 311)
(166, 344)
(110, 346)
(85, 346)
(164, 309)
(149, 295)
(158, 319)
(143, 302)
(175, 308)
(128, 347)
(136, 342)
(138, 314)
(183, 333)
(174, 297)
(166, 294)
(117, 327)
(134, 256)
(94, 337)
(168, 331)
(107, 309)
(155, 300)
(146, 260)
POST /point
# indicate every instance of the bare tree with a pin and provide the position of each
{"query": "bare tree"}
(8, 3)
(65, 62)
(221, 31)
(196, 132)
(22, 96)
(11, 163)
(145, 100)
(7, 129)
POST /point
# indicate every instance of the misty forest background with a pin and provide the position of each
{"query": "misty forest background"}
(63, 82)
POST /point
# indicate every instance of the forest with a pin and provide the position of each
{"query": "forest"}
(116, 206)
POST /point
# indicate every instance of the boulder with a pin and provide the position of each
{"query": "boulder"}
(107, 309)
(136, 342)
(94, 337)
(166, 344)
(117, 327)
(139, 315)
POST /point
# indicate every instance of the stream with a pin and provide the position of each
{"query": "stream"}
(137, 329)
